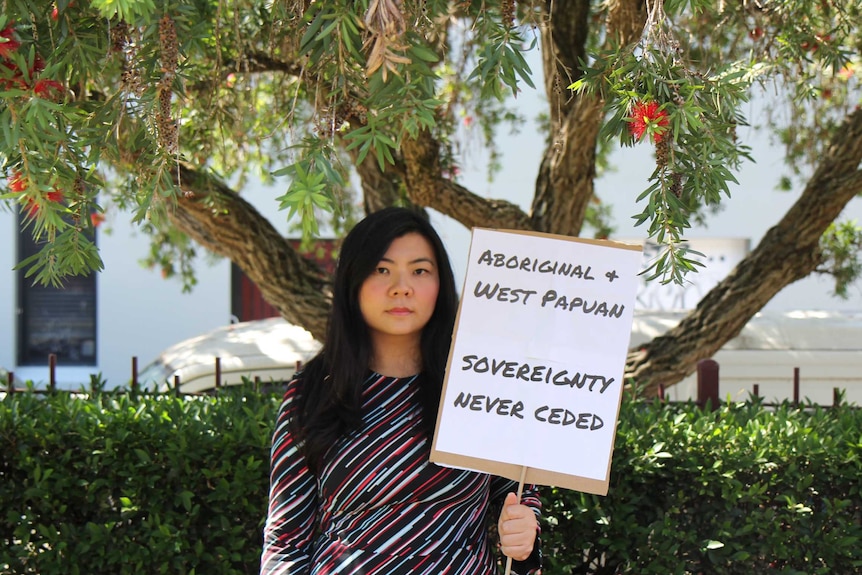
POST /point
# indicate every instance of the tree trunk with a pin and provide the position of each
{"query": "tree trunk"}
(225, 224)
(427, 187)
(788, 252)
(564, 186)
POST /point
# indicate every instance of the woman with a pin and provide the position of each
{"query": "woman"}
(352, 490)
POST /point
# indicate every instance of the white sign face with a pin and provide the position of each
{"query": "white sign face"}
(535, 372)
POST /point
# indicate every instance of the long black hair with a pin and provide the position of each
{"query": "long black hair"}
(330, 393)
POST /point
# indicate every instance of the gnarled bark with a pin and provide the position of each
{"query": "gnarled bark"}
(564, 186)
(427, 187)
(788, 252)
(225, 224)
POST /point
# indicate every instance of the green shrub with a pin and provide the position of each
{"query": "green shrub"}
(117, 484)
(742, 490)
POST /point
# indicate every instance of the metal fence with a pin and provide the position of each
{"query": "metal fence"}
(707, 384)
(708, 395)
(134, 387)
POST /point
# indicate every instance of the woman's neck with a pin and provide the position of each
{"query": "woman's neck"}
(396, 357)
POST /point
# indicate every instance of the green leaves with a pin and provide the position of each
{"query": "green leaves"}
(254, 79)
(697, 152)
(841, 246)
(500, 63)
(315, 182)
(332, 35)
(128, 10)
(72, 251)
(745, 489)
(376, 137)
(129, 485)
(147, 484)
(254, 84)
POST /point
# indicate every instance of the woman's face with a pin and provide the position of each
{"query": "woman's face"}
(399, 296)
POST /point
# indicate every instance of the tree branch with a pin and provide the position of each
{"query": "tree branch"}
(788, 252)
(220, 220)
(253, 63)
(427, 188)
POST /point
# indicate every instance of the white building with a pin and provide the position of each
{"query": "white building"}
(137, 313)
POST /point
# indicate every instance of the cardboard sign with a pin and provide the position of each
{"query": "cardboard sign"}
(535, 371)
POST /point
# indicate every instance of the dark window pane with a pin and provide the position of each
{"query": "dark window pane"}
(55, 320)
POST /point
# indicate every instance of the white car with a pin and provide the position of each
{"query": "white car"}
(270, 350)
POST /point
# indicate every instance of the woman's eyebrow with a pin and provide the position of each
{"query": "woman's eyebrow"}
(416, 261)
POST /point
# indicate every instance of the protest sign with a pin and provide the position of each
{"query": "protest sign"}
(535, 372)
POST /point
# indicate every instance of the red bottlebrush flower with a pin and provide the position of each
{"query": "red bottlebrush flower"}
(14, 78)
(646, 115)
(97, 218)
(55, 13)
(38, 65)
(32, 208)
(16, 83)
(17, 183)
(43, 88)
(8, 44)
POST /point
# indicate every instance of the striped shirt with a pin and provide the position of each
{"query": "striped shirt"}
(378, 505)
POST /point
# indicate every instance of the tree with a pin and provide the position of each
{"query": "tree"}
(172, 100)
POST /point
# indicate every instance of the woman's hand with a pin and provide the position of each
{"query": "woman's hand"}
(517, 528)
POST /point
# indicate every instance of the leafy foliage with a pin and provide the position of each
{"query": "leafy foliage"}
(740, 490)
(841, 245)
(304, 92)
(123, 484)
(700, 82)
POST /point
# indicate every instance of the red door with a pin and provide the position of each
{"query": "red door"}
(247, 303)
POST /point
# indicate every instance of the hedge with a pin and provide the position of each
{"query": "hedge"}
(741, 490)
(122, 484)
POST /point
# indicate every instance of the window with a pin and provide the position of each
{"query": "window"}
(54, 320)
